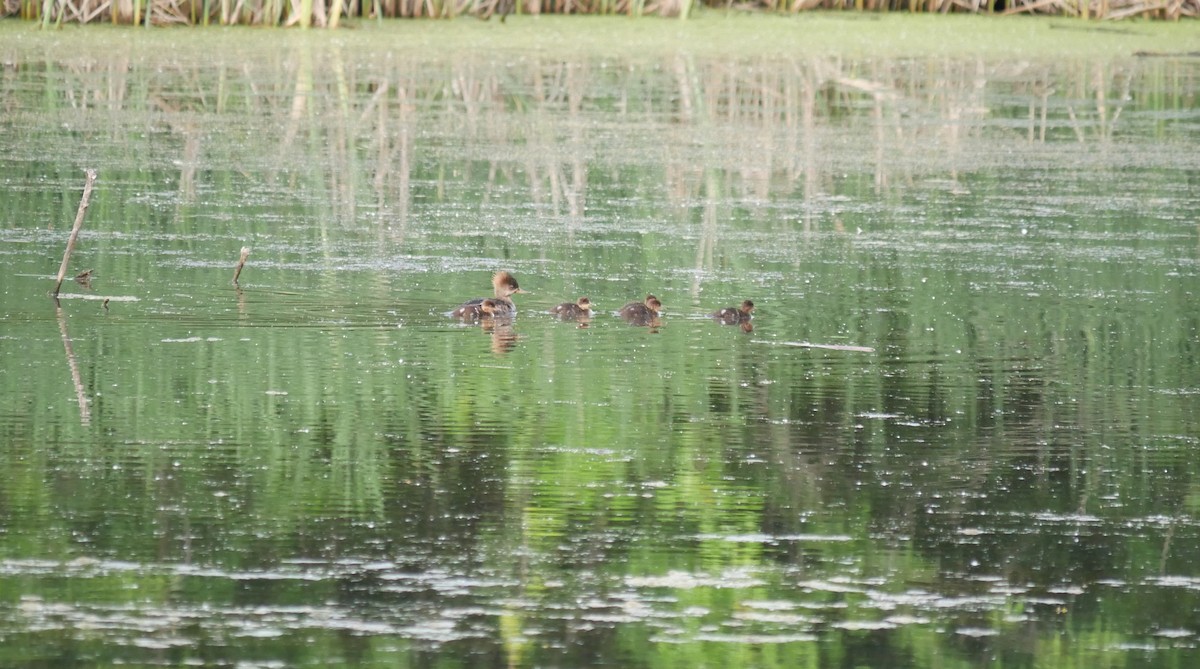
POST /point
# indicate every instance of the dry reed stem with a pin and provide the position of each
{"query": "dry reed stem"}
(83, 206)
(330, 13)
(241, 263)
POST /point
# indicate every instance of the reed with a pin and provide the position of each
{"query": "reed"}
(330, 13)
(83, 207)
(237, 271)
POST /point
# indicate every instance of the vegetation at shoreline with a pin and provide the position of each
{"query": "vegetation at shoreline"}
(330, 13)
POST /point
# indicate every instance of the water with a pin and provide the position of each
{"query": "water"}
(959, 433)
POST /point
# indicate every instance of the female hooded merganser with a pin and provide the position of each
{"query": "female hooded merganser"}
(735, 315)
(641, 313)
(476, 311)
(569, 311)
(503, 285)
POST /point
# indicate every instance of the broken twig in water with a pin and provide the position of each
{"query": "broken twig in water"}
(83, 205)
(241, 263)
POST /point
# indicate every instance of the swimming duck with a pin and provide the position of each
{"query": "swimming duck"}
(569, 311)
(476, 311)
(735, 315)
(641, 313)
(503, 285)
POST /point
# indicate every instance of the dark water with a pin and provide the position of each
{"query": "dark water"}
(961, 431)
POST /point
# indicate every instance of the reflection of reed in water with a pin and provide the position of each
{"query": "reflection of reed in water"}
(344, 134)
(85, 407)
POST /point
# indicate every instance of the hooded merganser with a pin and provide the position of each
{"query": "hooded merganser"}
(503, 285)
(569, 311)
(476, 311)
(735, 315)
(641, 313)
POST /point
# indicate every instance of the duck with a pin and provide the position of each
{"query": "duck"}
(503, 285)
(84, 278)
(476, 311)
(569, 311)
(641, 313)
(735, 315)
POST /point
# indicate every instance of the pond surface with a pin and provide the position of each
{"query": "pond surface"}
(960, 432)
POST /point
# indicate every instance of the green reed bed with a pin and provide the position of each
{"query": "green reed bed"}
(328, 13)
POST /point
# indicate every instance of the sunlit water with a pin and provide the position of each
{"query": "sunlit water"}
(960, 431)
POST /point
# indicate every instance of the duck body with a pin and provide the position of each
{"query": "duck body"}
(501, 306)
(641, 313)
(570, 311)
(735, 315)
(503, 286)
(476, 310)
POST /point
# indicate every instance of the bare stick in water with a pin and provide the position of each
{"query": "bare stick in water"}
(83, 205)
(241, 263)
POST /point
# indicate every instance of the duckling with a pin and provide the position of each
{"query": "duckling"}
(570, 311)
(470, 311)
(641, 313)
(735, 315)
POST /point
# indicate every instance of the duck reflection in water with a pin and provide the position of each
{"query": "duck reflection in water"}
(644, 313)
(736, 315)
(492, 321)
(579, 311)
(504, 337)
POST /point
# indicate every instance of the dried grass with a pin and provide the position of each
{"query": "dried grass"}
(328, 13)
